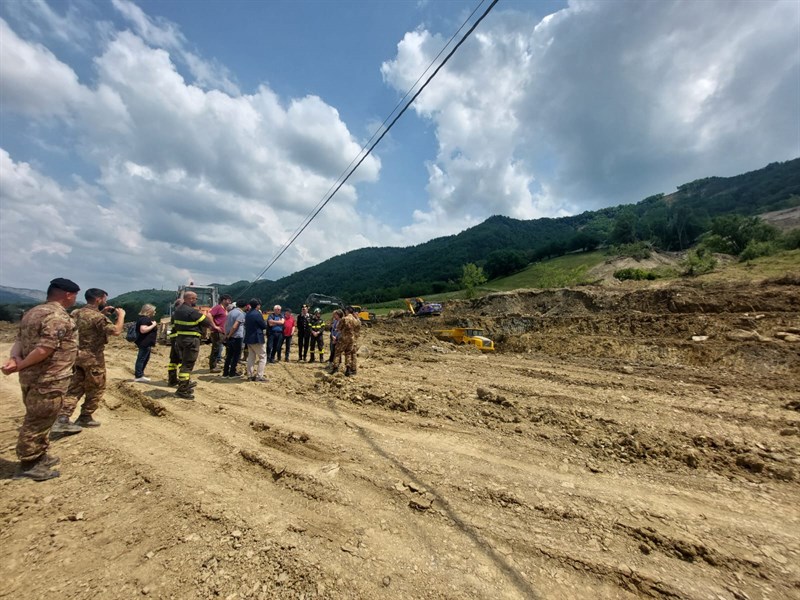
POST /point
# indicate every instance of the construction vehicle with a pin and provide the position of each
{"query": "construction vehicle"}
(420, 308)
(315, 300)
(207, 298)
(466, 335)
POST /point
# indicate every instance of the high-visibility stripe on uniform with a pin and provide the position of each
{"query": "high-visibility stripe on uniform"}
(189, 333)
(190, 323)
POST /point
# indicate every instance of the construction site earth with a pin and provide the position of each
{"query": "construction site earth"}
(621, 442)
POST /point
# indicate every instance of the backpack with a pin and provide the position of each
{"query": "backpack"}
(131, 334)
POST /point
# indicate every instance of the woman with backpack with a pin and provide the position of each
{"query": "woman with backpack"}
(145, 340)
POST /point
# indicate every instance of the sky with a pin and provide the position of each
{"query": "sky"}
(149, 144)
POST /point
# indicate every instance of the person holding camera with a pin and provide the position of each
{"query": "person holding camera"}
(89, 372)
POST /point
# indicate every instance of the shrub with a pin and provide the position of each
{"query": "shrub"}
(755, 249)
(699, 261)
(636, 250)
(634, 274)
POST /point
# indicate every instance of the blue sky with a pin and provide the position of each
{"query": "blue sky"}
(144, 144)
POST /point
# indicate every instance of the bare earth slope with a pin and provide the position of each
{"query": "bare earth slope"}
(601, 453)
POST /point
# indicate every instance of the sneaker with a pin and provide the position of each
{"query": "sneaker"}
(142, 379)
(87, 421)
(35, 470)
(63, 426)
(259, 379)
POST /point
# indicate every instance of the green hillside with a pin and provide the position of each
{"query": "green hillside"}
(674, 222)
(503, 246)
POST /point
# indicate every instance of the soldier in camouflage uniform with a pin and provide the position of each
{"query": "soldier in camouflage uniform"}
(347, 344)
(89, 374)
(43, 355)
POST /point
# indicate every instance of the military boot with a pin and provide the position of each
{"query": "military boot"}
(36, 470)
(87, 421)
(349, 371)
(64, 427)
(185, 390)
(172, 378)
(49, 461)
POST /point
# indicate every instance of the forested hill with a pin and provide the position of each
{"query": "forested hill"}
(670, 222)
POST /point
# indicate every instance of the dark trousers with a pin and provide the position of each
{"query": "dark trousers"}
(216, 349)
(142, 358)
(274, 345)
(303, 342)
(188, 348)
(232, 356)
(285, 346)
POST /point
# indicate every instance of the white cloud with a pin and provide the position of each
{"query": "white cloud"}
(193, 182)
(163, 34)
(602, 103)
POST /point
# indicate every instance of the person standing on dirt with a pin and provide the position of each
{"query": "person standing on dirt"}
(336, 319)
(89, 374)
(43, 355)
(288, 333)
(174, 359)
(254, 328)
(145, 340)
(317, 326)
(303, 334)
(347, 344)
(275, 323)
(189, 325)
(219, 313)
(234, 337)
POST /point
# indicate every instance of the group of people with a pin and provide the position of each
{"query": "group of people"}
(242, 328)
(60, 356)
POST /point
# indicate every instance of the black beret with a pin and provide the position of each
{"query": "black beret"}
(65, 284)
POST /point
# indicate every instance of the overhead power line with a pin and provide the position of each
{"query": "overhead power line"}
(352, 168)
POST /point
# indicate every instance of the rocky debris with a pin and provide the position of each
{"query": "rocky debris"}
(493, 397)
(743, 335)
(421, 503)
(699, 338)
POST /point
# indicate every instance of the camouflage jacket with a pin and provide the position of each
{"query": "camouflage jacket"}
(93, 331)
(48, 326)
(349, 328)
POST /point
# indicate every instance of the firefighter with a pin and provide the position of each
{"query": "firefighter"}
(174, 359)
(189, 325)
(317, 326)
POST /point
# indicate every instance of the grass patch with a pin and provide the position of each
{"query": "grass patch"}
(563, 271)
(781, 264)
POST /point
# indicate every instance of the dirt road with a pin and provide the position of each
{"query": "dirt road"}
(603, 454)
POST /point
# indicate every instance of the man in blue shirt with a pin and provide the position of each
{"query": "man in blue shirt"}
(275, 323)
(254, 328)
(234, 338)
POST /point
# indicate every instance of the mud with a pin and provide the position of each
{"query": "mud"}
(600, 453)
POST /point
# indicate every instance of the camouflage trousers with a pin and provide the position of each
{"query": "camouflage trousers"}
(87, 380)
(42, 403)
(347, 348)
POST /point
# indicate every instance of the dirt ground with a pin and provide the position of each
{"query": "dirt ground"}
(601, 452)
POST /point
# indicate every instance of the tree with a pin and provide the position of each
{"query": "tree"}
(624, 231)
(504, 262)
(472, 276)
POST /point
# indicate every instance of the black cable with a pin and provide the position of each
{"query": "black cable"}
(309, 217)
(369, 151)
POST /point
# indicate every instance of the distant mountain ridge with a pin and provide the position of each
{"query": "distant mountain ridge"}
(370, 275)
(11, 295)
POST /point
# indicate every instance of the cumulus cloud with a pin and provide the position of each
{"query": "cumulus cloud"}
(602, 103)
(193, 183)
